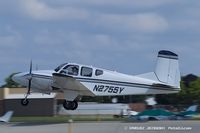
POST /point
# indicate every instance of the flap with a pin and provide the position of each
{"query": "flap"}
(65, 82)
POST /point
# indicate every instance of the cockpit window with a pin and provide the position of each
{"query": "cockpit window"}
(86, 71)
(59, 67)
(98, 72)
(70, 70)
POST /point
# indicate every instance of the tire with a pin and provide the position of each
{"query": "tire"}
(66, 105)
(70, 105)
(24, 102)
(75, 105)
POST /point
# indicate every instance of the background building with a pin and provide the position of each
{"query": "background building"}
(50, 105)
(39, 104)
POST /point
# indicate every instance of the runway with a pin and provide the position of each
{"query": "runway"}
(105, 127)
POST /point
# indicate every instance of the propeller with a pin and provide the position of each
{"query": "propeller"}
(30, 78)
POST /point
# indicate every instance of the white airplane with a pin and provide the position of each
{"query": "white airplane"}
(6, 118)
(76, 80)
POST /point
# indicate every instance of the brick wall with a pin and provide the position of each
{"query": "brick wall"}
(1, 107)
(139, 107)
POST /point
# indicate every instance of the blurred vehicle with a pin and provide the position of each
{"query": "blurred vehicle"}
(162, 114)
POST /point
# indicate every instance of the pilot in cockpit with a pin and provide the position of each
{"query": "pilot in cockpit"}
(74, 70)
(70, 69)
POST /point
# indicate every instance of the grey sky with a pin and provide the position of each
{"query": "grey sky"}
(122, 35)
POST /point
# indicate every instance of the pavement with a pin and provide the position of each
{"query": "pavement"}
(104, 127)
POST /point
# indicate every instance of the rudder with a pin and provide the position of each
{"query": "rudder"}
(167, 68)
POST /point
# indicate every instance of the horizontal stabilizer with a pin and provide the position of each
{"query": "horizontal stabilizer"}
(150, 75)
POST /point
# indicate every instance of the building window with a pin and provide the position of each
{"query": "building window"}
(86, 71)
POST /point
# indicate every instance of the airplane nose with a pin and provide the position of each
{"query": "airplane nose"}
(18, 78)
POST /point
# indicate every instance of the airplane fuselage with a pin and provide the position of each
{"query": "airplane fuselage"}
(109, 83)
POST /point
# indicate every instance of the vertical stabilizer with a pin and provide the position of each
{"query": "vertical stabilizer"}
(192, 108)
(167, 68)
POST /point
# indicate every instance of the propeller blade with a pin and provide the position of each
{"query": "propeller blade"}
(29, 80)
(30, 71)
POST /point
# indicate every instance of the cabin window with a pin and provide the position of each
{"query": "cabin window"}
(98, 72)
(70, 70)
(86, 71)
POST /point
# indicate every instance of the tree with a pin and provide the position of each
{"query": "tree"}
(189, 78)
(10, 83)
(189, 93)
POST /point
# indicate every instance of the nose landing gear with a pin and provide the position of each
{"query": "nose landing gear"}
(24, 102)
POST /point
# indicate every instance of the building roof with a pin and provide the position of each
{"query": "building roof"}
(31, 96)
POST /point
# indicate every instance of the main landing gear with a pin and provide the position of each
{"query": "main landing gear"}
(70, 105)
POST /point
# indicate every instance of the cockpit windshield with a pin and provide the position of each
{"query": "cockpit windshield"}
(59, 67)
(70, 70)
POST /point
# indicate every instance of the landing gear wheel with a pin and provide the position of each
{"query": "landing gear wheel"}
(70, 105)
(67, 105)
(75, 105)
(24, 102)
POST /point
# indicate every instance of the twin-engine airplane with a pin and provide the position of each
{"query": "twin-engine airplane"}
(76, 80)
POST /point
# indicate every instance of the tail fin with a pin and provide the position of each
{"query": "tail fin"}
(192, 108)
(6, 117)
(167, 68)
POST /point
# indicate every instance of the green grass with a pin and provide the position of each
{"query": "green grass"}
(65, 119)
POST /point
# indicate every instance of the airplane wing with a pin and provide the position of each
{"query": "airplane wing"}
(6, 118)
(65, 82)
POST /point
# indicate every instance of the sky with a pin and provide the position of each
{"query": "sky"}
(120, 35)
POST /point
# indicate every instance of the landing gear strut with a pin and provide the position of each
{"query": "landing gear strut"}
(70, 105)
(25, 101)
